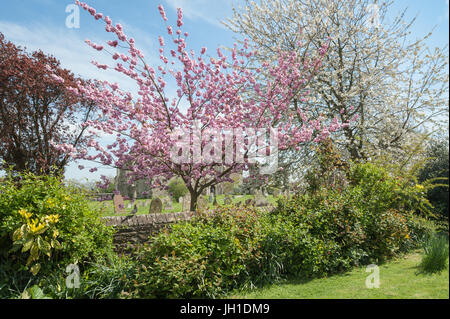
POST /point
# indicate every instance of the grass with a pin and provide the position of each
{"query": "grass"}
(399, 279)
(107, 207)
(435, 257)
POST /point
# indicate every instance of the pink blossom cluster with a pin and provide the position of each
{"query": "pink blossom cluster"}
(221, 91)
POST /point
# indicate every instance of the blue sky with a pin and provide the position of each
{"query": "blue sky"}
(40, 24)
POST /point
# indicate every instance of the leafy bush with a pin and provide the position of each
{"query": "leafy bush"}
(435, 257)
(314, 234)
(372, 218)
(200, 258)
(436, 170)
(214, 254)
(383, 191)
(45, 226)
(177, 189)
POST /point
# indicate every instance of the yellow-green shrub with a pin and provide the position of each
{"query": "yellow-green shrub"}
(45, 225)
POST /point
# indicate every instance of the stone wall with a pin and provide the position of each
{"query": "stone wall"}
(137, 229)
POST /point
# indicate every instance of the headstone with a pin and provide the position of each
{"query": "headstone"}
(249, 202)
(227, 200)
(156, 206)
(167, 203)
(260, 200)
(186, 203)
(118, 204)
(202, 203)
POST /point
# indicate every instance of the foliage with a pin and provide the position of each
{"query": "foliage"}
(200, 258)
(34, 292)
(383, 191)
(104, 279)
(232, 248)
(177, 189)
(435, 257)
(45, 226)
(329, 168)
(37, 110)
(310, 235)
(436, 169)
(374, 217)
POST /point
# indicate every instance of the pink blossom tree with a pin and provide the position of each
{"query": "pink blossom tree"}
(213, 94)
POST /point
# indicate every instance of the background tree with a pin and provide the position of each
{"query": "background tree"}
(177, 189)
(437, 168)
(374, 71)
(213, 89)
(36, 110)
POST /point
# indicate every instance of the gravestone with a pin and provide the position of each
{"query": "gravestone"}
(227, 200)
(249, 202)
(118, 204)
(168, 203)
(260, 200)
(202, 203)
(156, 206)
(186, 203)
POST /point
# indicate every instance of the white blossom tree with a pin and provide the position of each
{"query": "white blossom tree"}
(391, 84)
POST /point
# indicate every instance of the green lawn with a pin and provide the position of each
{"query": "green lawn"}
(399, 279)
(107, 207)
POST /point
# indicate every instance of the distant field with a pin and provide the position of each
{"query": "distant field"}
(107, 207)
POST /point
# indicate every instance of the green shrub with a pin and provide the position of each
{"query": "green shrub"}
(436, 170)
(381, 191)
(421, 229)
(435, 256)
(373, 218)
(177, 189)
(202, 258)
(232, 248)
(45, 226)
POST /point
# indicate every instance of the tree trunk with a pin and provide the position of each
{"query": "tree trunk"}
(194, 198)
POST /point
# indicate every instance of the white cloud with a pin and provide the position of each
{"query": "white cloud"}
(68, 46)
(209, 11)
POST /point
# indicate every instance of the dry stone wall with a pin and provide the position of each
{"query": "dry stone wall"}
(138, 228)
